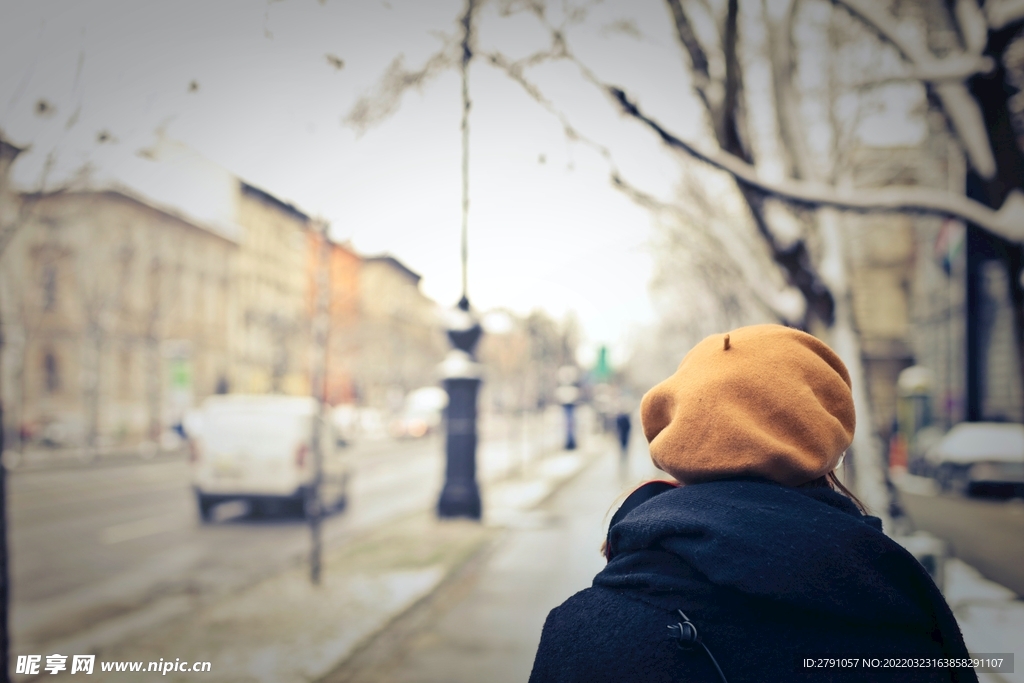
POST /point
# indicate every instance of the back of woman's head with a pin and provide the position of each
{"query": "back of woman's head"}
(766, 401)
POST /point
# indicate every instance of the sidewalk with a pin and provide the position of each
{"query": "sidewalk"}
(991, 616)
(486, 623)
(285, 629)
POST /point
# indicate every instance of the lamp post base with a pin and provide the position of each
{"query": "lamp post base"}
(570, 427)
(460, 496)
(459, 500)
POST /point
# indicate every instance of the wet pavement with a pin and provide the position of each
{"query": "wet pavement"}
(485, 624)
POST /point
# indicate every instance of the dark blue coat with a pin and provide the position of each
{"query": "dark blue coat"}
(770, 575)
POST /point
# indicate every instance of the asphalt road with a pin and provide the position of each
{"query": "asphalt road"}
(987, 534)
(92, 546)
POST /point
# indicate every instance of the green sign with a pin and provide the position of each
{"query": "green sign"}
(181, 373)
(602, 370)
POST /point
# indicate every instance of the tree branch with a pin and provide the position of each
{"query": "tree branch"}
(1008, 222)
(372, 109)
(730, 268)
(961, 109)
(780, 45)
(971, 24)
(1002, 13)
(514, 70)
(955, 68)
(725, 116)
(730, 135)
(698, 60)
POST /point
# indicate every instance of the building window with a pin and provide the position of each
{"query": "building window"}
(49, 284)
(51, 373)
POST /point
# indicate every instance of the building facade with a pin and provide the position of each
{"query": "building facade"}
(400, 338)
(124, 303)
(270, 335)
(115, 318)
(342, 267)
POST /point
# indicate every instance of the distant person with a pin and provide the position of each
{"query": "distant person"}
(756, 564)
(622, 427)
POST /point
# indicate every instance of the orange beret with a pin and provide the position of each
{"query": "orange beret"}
(764, 400)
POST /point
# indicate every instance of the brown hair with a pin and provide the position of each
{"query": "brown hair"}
(831, 481)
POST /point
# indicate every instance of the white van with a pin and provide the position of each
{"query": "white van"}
(260, 449)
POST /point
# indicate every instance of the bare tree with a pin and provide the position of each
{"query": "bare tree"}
(969, 81)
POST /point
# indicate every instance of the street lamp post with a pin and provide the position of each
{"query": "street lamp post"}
(567, 394)
(460, 496)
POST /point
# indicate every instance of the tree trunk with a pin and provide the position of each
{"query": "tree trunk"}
(992, 93)
(870, 476)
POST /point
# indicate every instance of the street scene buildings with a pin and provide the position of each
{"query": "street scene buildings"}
(124, 313)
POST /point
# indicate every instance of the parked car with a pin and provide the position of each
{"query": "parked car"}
(975, 457)
(422, 413)
(260, 449)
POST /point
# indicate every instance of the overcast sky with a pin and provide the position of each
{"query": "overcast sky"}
(546, 228)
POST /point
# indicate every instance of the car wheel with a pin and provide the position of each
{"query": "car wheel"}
(205, 506)
(311, 506)
(342, 502)
(952, 478)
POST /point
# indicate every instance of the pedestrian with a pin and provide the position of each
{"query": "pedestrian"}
(755, 564)
(622, 426)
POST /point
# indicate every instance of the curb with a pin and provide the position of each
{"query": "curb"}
(15, 464)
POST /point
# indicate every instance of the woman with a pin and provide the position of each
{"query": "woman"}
(757, 567)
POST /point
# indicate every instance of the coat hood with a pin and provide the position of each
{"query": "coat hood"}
(806, 548)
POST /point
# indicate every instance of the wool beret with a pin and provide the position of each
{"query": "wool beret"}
(764, 400)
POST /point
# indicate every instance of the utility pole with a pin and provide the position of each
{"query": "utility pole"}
(318, 388)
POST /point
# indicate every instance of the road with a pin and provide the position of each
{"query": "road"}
(96, 547)
(987, 534)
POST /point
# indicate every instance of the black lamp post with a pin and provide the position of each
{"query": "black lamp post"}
(567, 394)
(460, 496)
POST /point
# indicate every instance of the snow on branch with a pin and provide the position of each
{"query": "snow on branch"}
(778, 302)
(515, 71)
(374, 108)
(1008, 222)
(1002, 13)
(960, 107)
(954, 68)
